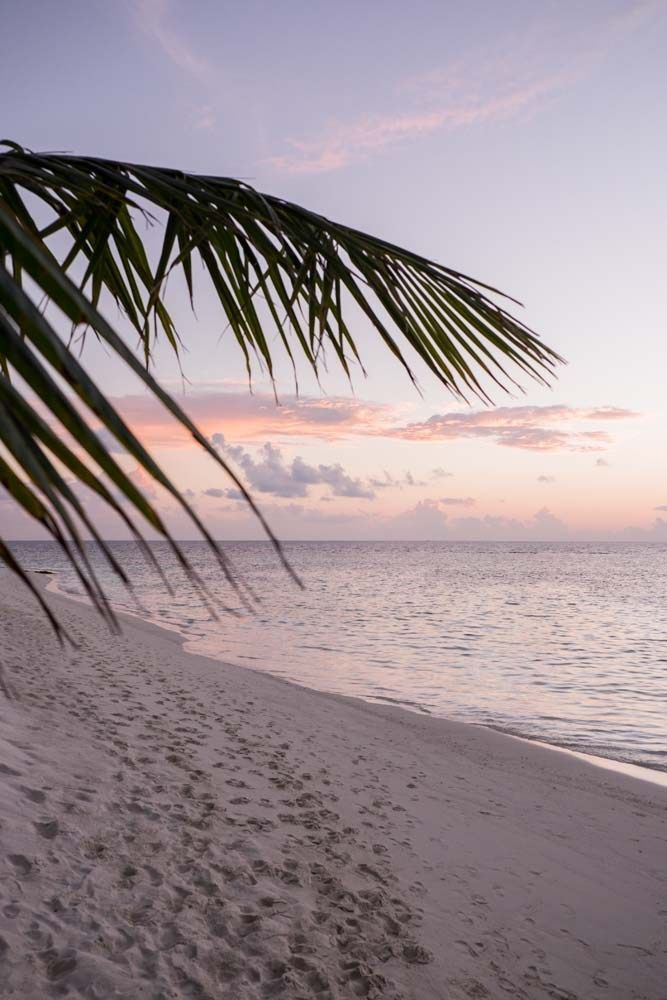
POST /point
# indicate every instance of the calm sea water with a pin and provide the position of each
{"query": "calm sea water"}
(563, 642)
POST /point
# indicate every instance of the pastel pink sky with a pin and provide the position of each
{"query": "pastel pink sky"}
(523, 144)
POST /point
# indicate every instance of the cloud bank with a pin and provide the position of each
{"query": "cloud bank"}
(249, 418)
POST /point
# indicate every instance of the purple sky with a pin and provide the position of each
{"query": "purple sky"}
(523, 143)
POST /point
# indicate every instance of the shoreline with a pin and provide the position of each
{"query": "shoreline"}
(176, 826)
(654, 775)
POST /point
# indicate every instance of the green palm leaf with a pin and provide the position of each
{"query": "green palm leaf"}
(65, 216)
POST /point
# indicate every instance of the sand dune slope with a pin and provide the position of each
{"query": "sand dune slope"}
(172, 827)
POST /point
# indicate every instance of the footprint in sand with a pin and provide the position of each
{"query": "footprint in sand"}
(47, 828)
(33, 794)
(9, 771)
(20, 863)
(154, 875)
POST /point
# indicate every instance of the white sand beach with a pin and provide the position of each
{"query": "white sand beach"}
(171, 827)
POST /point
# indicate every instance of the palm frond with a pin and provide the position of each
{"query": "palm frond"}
(249, 242)
(64, 217)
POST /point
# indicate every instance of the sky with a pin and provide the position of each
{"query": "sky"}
(521, 143)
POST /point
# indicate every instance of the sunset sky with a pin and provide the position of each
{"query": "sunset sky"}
(521, 143)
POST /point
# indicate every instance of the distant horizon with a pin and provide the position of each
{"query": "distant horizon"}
(360, 541)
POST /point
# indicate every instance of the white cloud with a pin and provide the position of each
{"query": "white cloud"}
(270, 473)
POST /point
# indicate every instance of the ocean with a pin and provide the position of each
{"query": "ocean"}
(562, 642)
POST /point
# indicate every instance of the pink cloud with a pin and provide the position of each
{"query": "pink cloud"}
(346, 142)
(245, 417)
(248, 418)
(514, 76)
(532, 428)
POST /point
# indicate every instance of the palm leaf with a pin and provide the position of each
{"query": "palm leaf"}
(64, 217)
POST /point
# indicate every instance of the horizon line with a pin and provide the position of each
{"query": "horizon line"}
(358, 541)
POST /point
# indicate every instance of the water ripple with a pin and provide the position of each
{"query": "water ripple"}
(546, 640)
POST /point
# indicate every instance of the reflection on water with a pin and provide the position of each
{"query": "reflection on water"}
(564, 642)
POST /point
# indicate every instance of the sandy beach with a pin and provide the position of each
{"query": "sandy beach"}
(171, 827)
